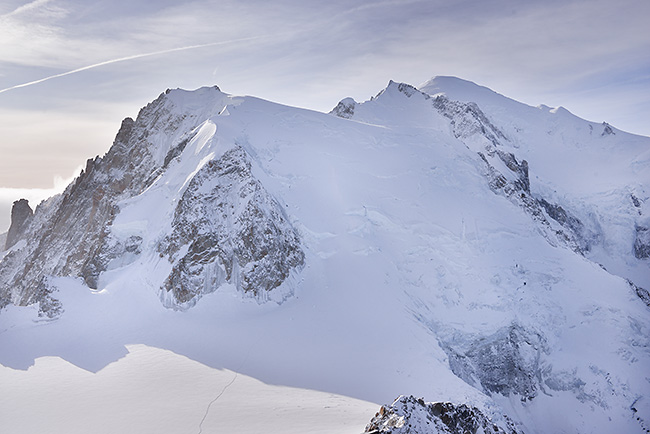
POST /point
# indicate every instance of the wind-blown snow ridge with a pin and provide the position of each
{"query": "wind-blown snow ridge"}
(444, 242)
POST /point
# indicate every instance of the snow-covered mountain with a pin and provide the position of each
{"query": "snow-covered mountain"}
(444, 242)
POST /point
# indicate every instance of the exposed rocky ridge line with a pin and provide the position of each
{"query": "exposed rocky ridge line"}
(409, 415)
(470, 125)
(70, 233)
(467, 119)
(557, 225)
(505, 174)
(245, 240)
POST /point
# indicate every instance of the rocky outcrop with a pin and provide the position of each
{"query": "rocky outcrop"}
(572, 230)
(642, 293)
(514, 183)
(642, 242)
(561, 216)
(408, 415)
(228, 228)
(607, 129)
(467, 120)
(21, 217)
(345, 108)
(507, 362)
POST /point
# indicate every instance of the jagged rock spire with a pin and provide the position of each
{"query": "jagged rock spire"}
(21, 215)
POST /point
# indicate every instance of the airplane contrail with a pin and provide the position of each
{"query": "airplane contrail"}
(123, 59)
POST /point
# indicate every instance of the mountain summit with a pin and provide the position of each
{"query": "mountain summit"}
(444, 242)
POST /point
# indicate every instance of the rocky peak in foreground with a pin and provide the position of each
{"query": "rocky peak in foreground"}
(410, 415)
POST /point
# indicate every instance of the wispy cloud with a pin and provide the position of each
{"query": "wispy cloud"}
(557, 52)
(26, 8)
(31, 34)
(127, 58)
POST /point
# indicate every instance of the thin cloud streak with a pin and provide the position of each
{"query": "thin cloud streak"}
(27, 7)
(124, 59)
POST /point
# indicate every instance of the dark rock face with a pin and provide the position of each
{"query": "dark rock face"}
(408, 415)
(507, 362)
(498, 183)
(642, 293)
(558, 214)
(607, 129)
(72, 239)
(559, 225)
(406, 89)
(21, 217)
(573, 230)
(344, 109)
(467, 119)
(642, 243)
(522, 183)
(234, 231)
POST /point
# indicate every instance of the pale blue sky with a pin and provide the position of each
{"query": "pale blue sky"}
(588, 56)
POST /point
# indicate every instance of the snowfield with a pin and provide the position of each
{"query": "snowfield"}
(458, 246)
(152, 391)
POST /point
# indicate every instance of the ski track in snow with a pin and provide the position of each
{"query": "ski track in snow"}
(223, 390)
(207, 410)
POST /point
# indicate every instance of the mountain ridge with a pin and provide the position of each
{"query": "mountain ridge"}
(418, 242)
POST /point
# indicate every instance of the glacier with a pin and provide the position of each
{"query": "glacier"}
(443, 242)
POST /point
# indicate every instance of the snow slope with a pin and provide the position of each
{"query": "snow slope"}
(429, 268)
(593, 169)
(152, 391)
